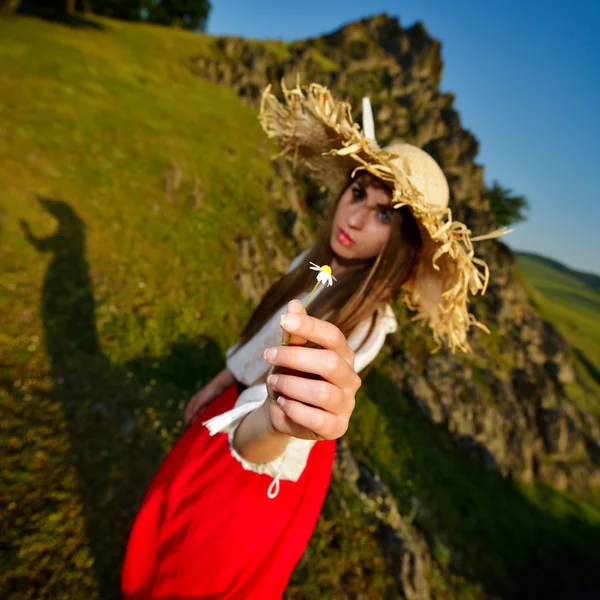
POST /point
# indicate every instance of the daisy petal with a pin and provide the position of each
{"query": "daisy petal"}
(325, 276)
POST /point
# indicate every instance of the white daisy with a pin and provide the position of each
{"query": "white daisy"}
(324, 276)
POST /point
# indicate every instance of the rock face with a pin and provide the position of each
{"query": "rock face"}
(252, 256)
(509, 403)
(406, 552)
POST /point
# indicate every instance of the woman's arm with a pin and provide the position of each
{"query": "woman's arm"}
(222, 381)
(203, 397)
(256, 440)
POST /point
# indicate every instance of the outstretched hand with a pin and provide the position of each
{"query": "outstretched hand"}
(311, 390)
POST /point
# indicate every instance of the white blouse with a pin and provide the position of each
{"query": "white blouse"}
(249, 364)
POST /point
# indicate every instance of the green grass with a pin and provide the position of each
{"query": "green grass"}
(574, 309)
(114, 305)
(90, 125)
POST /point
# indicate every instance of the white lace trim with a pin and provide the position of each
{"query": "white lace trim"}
(288, 466)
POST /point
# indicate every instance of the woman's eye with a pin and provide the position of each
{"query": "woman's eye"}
(386, 216)
(358, 192)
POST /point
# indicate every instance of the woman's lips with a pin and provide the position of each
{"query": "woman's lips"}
(344, 238)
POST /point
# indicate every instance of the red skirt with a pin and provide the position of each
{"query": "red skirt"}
(207, 529)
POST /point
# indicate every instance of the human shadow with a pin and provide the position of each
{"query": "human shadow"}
(121, 419)
(498, 536)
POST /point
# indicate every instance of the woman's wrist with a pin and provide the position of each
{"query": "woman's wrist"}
(256, 440)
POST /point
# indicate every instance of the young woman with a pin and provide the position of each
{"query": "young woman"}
(228, 516)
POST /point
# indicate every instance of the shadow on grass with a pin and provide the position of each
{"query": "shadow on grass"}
(515, 546)
(117, 416)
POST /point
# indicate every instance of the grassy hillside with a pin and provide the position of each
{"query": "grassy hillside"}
(588, 280)
(571, 302)
(115, 305)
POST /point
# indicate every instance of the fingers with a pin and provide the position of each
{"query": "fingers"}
(196, 414)
(188, 415)
(317, 423)
(314, 387)
(326, 363)
(192, 411)
(321, 394)
(294, 307)
(320, 332)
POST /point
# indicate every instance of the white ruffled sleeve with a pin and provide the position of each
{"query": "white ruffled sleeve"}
(386, 324)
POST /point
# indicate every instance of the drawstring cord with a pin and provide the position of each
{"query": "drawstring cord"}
(274, 485)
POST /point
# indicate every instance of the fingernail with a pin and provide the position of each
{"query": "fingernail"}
(270, 353)
(280, 401)
(294, 300)
(290, 321)
(273, 379)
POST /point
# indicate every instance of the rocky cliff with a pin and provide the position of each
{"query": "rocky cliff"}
(511, 404)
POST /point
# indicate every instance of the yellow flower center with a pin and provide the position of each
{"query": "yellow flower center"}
(326, 269)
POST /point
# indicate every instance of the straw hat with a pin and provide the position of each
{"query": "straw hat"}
(312, 128)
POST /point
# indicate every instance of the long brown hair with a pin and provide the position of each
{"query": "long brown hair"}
(360, 291)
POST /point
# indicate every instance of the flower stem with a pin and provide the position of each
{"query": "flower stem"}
(310, 295)
(287, 342)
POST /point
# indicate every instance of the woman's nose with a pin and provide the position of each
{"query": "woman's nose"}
(357, 218)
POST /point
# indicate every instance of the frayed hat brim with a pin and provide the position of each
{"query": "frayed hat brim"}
(313, 129)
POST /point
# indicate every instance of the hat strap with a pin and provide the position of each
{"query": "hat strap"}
(492, 235)
(367, 119)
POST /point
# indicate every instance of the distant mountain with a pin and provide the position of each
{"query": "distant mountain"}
(590, 280)
(570, 300)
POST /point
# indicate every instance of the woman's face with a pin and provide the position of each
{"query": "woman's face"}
(364, 213)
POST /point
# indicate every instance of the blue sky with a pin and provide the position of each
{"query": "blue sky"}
(526, 76)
